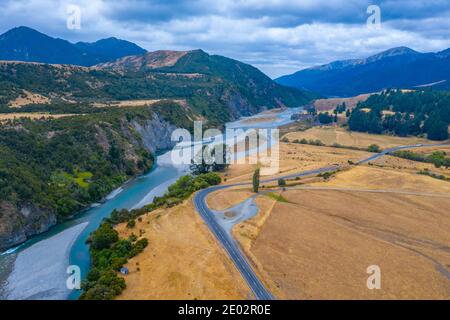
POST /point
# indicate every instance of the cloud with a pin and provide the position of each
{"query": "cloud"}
(278, 36)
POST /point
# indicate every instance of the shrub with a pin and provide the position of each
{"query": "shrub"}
(374, 148)
(256, 180)
(131, 224)
(103, 237)
(281, 182)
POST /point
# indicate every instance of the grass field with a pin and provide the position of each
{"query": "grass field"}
(332, 135)
(318, 244)
(331, 103)
(183, 260)
(296, 158)
(309, 243)
(32, 115)
(366, 177)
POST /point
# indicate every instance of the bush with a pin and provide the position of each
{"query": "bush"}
(281, 182)
(103, 237)
(256, 180)
(374, 148)
(109, 254)
(131, 224)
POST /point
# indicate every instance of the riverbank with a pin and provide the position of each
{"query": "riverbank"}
(34, 278)
(140, 190)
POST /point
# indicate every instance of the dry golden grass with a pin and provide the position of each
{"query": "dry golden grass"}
(33, 116)
(182, 261)
(223, 199)
(410, 166)
(331, 103)
(28, 98)
(366, 177)
(430, 150)
(320, 245)
(296, 158)
(332, 135)
(247, 232)
(133, 103)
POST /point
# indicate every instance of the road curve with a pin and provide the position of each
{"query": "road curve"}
(231, 246)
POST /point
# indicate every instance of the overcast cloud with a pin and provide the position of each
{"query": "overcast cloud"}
(277, 36)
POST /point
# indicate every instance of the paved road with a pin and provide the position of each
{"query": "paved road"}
(230, 245)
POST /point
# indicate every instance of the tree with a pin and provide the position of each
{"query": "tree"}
(325, 118)
(207, 160)
(104, 237)
(131, 224)
(374, 148)
(281, 182)
(436, 129)
(256, 181)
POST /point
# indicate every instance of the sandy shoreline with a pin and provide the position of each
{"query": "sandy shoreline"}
(33, 278)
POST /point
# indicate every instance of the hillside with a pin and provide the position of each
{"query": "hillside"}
(50, 169)
(216, 88)
(401, 113)
(26, 44)
(395, 68)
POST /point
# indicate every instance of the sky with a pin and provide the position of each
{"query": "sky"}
(277, 36)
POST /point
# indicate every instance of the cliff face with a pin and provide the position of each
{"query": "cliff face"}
(20, 221)
(155, 133)
(17, 224)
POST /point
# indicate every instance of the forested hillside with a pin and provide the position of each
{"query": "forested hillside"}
(218, 88)
(51, 169)
(404, 113)
(399, 67)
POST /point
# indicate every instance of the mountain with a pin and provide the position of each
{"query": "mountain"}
(110, 49)
(395, 68)
(217, 88)
(26, 44)
(50, 169)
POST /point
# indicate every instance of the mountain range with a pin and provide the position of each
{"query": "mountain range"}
(399, 67)
(217, 87)
(26, 44)
(40, 161)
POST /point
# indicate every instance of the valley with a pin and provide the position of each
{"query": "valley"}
(88, 177)
(318, 234)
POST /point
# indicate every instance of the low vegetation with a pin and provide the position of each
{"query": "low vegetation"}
(109, 253)
(256, 180)
(276, 197)
(372, 148)
(433, 175)
(438, 158)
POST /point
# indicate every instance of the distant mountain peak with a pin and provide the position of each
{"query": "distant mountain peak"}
(27, 44)
(149, 60)
(398, 51)
(444, 53)
(399, 67)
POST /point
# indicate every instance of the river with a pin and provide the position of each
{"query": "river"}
(37, 269)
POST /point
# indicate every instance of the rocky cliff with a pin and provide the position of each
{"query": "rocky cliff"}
(20, 220)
